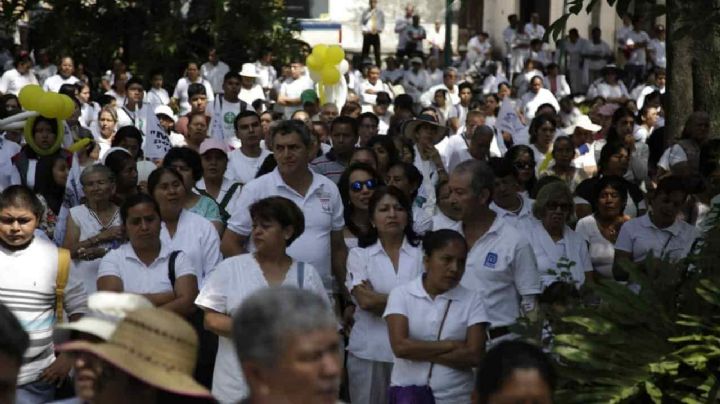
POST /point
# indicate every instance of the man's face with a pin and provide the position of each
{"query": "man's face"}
(367, 129)
(135, 93)
(465, 95)
(296, 70)
(309, 370)
(249, 131)
(380, 109)
(449, 79)
(17, 225)
(473, 122)
(198, 102)
(290, 152)
(479, 147)
(440, 98)
(536, 85)
(461, 196)
(193, 71)
(343, 139)
(212, 56)
(9, 369)
(373, 75)
(409, 10)
(67, 67)
(231, 88)
(328, 113)
(157, 81)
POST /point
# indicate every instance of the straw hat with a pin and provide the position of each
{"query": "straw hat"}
(153, 345)
(411, 126)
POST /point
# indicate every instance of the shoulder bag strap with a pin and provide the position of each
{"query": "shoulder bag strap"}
(301, 274)
(442, 324)
(229, 194)
(171, 267)
(61, 280)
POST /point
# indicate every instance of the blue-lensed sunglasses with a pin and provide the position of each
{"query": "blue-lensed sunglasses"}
(357, 186)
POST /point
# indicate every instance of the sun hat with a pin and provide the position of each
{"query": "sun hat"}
(309, 96)
(212, 144)
(416, 60)
(107, 309)
(249, 70)
(410, 127)
(155, 346)
(165, 110)
(582, 122)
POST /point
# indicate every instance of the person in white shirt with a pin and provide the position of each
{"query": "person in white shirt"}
(322, 244)
(250, 90)
(437, 326)
(180, 95)
(539, 53)
(43, 68)
(533, 28)
(450, 76)
(508, 34)
(609, 87)
(635, 44)
(224, 110)
(277, 224)
(556, 82)
(265, 70)
(245, 161)
(656, 48)
(435, 74)
(415, 80)
(596, 54)
(513, 207)
(660, 233)
(436, 40)
(573, 46)
(64, 75)
(214, 70)
(479, 49)
(389, 257)
(157, 95)
(12, 81)
(555, 244)
(501, 265)
(290, 90)
(401, 26)
(135, 112)
(371, 86)
(214, 183)
(89, 109)
(372, 21)
(535, 97)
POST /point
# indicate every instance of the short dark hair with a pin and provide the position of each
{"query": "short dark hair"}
(403, 101)
(20, 196)
(281, 210)
(670, 184)
(154, 178)
(608, 151)
(345, 120)
(14, 341)
(435, 240)
(134, 80)
(502, 167)
(502, 360)
(137, 199)
(50, 121)
(537, 122)
(292, 126)
(617, 183)
(231, 75)
(245, 114)
(195, 89)
(464, 85)
(186, 155)
(412, 173)
(368, 115)
(127, 132)
(116, 161)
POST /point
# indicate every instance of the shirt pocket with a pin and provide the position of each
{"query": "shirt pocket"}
(493, 267)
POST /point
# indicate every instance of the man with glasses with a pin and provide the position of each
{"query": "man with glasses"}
(290, 90)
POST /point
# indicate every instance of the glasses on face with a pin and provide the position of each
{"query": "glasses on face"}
(357, 186)
(524, 165)
(554, 205)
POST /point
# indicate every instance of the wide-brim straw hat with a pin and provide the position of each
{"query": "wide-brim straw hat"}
(155, 346)
(411, 126)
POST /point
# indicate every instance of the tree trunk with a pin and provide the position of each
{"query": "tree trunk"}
(679, 86)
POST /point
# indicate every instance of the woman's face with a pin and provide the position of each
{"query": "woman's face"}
(525, 165)
(491, 106)
(618, 163)
(545, 134)
(142, 225)
(84, 95)
(383, 156)
(700, 129)
(128, 177)
(425, 136)
(389, 217)
(523, 386)
(360, 192)
(214, 163)
(610, 202)
(650, 117)
(98, 187)
(397, 178)
(557, 212)
(625, 126)
(17, 225)
(60, 172)
(666, 207)
(197, 130)
(192, 71)
(446, 265)
(563, 153)
(185, 171)
(107, 125)
(11, 104)
(503, 91)
(269, 235)
(169, 192)
(44, 135)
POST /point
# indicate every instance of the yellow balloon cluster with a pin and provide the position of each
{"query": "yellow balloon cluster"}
(48, 104)
(324, 63)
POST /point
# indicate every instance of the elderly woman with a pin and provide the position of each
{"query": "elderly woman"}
(188, 163)
(94, 227)
(555, 244)
(357, 185)
(437, 327)
(277, 222)
(388, 257)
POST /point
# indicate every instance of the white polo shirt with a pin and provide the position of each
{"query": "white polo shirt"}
(424, 316)
(198, 239)
(641, 237)
(501, 266)
(242, 168)
(551, 254)
(53, 83)
(521, 220)
(323, 210)
(369, 336)
(441, 221)
(139, 278)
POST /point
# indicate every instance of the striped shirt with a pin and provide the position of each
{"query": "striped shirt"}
(328, 166)
(27, 288)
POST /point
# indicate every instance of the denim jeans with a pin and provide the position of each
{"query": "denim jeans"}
(37, 392)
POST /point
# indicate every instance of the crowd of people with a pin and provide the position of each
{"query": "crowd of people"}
(238, 240)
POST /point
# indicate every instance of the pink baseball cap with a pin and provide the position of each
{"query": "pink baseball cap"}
(212, 144)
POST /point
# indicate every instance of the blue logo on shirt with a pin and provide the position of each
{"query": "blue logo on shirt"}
(491, 259)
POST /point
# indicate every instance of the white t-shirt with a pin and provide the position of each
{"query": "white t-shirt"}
(293, 89)
(12, 81)
(530, 102)
(254, 93)
(242, 168)
(140, 278)
(323, 210)
(232, 281)
(53, 83)
(671, 156)
(602, 251)
(658, 47)
(521, 220)
(215, 74)
(534, 31)
(225, 112)
(424, 315)
(90, 226)
(549, 254)
(181, 93)
(638, 56)
(369, 336)
(157, 96)
(641, 237)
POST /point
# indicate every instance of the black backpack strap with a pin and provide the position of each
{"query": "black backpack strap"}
(301, 274)
(171, 267)
(228, 196)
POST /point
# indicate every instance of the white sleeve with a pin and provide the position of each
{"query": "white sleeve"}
(108, 266)
(211, 253)
(213, 294)
(183, 266)
(75, 301)
(677, 155)
(178, 91)
(525, 272)
(396, 303)
(338, 220)
(356, 268)
(625, 240)
(4, 83)
(240, 221)
(209, 90)
(478, 313)
(313, 283)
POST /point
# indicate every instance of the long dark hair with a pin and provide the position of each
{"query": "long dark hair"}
(344, 188)
(513, 154)
(45, 183)
(620, 113)
(372, 236)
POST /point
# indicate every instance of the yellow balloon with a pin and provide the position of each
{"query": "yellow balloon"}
(29, 96)
(50, 105)
(68, 107)
(330, 75)
(313, 63)
(319, 51)
(334, 55)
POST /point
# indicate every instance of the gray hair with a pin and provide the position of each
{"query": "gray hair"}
(96, 169)
(449, 70)
(265, 320)
(551, 191)
(482, 175)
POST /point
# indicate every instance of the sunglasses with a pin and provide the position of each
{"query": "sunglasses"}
(357, 186)
(524, 165)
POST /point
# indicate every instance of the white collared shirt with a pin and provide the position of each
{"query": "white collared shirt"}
(602, 251)
(323, 210)
(424, 315)
(551, 254)
(198, 239)
(501, 266)
(641, 237)
(369, 336)
(232, 204)
(139, 278)
(441, 221)
(521, 220)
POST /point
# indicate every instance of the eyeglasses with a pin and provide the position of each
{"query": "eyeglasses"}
(524, 165)
(552, 205)
(357, 186)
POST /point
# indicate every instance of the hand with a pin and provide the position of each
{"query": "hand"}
(56, 373)
(348, 319)
(112, 233)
